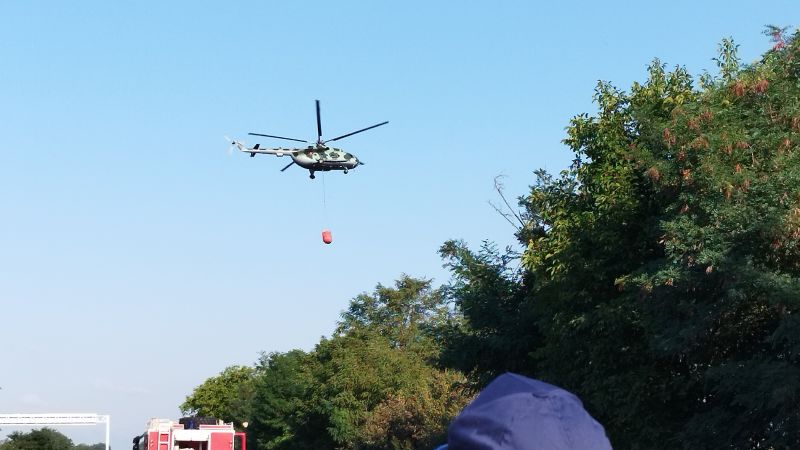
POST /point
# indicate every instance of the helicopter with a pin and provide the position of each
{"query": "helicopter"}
(316, 157)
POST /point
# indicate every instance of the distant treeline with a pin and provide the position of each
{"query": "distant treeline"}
(44, 439)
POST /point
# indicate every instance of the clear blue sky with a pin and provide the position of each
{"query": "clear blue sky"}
(138, 259)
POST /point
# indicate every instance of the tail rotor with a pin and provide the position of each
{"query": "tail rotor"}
(233, 144)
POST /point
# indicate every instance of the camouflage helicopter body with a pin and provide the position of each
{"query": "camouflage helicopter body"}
(314, 158)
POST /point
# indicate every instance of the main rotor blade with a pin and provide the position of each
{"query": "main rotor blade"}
(319, 124)
(287, 166)
(355, 132)
(277, 137)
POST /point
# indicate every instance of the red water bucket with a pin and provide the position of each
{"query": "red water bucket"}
(326, 236)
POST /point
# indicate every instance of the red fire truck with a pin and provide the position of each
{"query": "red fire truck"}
(189, 433)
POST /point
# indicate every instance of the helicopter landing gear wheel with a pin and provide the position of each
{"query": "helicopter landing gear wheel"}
(311, 174)
(345, 171)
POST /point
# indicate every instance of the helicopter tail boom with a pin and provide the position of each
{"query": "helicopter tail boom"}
(265, 151)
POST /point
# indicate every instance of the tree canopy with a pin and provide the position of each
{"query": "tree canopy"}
(374, 384)
(225, 396)
(44, 439)
(660, 275)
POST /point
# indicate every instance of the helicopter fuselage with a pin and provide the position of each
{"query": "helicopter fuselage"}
(325, 159)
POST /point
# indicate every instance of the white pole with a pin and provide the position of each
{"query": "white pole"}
(108, 432)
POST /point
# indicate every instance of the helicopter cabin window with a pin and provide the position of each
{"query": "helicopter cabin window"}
(348, 156)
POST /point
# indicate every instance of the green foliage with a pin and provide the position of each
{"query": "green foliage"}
(728, 61)
(372, 385)
(407, 315)
(377, 370)
(99, 446)
(282, 415)
(379, 395)
(417, 418)
(44, 439)
(493, 332)
(226, 396)
(662, 268)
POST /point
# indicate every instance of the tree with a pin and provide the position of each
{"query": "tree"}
(42, 439)
(226, 396)
(380, 370)
(408, 314)
(362, 380)
(418, 418)
(661, 269)
(99, 446)
(492, 333)
(281, 408)
(372, 385)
